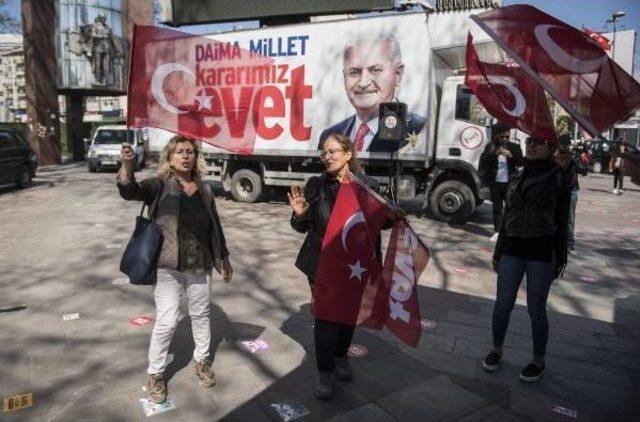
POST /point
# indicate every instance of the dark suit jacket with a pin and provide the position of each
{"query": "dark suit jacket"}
(415, 124)
(488, 166)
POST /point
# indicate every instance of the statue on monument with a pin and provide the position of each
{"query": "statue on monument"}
(97, 43)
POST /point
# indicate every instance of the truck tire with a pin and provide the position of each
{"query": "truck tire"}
(246, 186)
(452, 201)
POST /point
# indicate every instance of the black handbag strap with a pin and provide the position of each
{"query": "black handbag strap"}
(154, 204)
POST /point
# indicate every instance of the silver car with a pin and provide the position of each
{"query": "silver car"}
(104, 152)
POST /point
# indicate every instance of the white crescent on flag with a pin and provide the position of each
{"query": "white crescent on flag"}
(521, 104)
(561, 57)
(351, 221)
(157, 81)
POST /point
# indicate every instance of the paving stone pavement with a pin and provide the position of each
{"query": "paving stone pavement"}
(59, 252)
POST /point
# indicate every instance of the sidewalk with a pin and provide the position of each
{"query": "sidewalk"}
(60, 253)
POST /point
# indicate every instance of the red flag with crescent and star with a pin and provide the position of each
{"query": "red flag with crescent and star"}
(509, 95)
(198, 87)
(566, 62)
(346, 280)
(602, 41)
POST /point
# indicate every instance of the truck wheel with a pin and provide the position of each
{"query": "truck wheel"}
(597, 167)
(452, 202)
(246, 186)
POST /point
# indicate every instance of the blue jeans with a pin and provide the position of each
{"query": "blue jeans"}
(511, 270)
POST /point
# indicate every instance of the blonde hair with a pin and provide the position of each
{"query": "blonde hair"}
(347, 146)
(165, 170)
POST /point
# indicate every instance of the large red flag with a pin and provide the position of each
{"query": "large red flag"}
(569, 64)
(345, 283)
(510, 95)
(406, 258)
(199, 87)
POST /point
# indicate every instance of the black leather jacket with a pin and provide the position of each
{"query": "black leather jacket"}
(321, 192)
(488, 166)
(537, 205)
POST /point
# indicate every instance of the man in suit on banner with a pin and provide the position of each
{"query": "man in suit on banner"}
(373, 70)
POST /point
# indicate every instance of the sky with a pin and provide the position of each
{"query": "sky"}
(591, 13)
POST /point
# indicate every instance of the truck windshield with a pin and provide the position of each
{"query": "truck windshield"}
(113, 137)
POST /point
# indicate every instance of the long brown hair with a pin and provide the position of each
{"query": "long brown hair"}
(347, 146)
(165, 170)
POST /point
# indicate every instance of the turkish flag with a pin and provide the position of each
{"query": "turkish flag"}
(345, 283)
(510, 95)
(406, 258)
(602, 41)
(569, 64)
(189, 85)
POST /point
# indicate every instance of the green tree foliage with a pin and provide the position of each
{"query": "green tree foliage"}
(564, 125)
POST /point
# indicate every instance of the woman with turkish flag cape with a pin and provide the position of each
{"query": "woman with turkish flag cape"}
(351, 253)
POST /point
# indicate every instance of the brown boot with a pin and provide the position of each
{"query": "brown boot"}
(157, 388)
(205, 374)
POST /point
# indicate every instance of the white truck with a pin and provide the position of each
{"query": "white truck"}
(319, 85)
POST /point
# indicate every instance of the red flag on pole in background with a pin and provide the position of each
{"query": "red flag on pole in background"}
(199, 87)
(510, 95)
(602, 41)
(406, 258)
(568, 64)
(345, 282)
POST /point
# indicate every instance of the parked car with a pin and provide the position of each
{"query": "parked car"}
(104, 151)
(601, 150)
(18, 162)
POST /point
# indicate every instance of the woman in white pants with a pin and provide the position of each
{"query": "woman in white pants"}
(193, 245)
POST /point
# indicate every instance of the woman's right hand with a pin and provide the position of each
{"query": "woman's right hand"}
(126, 171)
(298, 203)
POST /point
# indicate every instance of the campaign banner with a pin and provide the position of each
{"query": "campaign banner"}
(295, 85)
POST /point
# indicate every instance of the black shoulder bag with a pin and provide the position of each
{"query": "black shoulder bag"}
(140, 258)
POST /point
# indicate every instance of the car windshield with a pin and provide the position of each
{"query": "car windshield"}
(112, 137)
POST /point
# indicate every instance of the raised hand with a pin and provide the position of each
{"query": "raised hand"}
(126, 171)
(298, 203)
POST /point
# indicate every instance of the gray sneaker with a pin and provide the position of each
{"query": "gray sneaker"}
(343, 369)
(323, 387)
(205, 374)
(157, 388)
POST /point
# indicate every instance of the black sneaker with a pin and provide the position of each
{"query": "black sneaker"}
(531, 372)
(491, 362)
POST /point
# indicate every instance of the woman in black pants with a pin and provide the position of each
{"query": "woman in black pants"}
(533, 241)
(311, 211)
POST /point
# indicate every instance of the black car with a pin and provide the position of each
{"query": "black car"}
(17, 161)
(601, 151)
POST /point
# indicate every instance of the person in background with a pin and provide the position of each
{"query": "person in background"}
(616, 166)
(570, 164)
(498, 163)
(533, 241)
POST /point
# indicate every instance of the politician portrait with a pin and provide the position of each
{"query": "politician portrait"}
(372, 72)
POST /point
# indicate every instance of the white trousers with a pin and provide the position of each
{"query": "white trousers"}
(170, 286)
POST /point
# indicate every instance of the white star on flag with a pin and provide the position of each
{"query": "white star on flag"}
(357, 270)
(203, 100)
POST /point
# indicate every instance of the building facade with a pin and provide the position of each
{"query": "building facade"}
(13, 100)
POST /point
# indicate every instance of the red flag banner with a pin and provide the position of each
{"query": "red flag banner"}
(199, 87)
(602, 41)
(404, 262)
(568, 64)
(510, 95)
(345, 283)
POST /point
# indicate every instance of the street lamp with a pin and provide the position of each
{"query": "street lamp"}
(614, 18)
